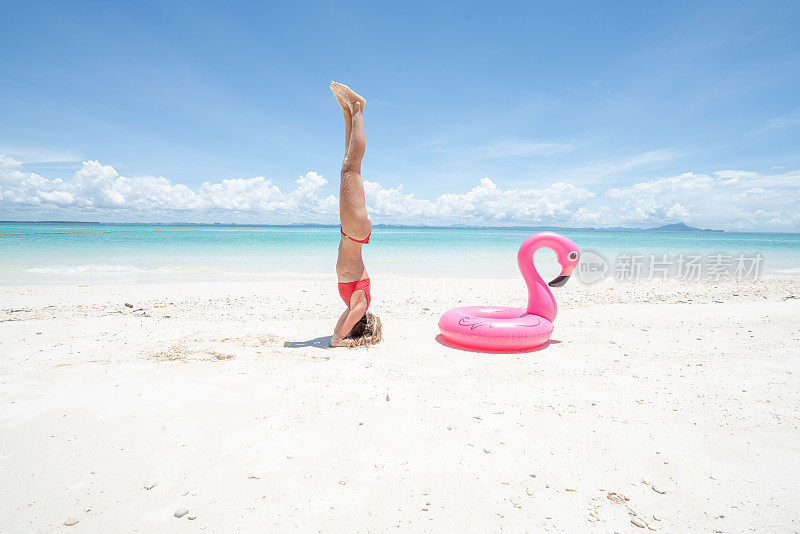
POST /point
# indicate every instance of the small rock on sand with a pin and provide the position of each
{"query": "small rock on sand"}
(71, 521)
(657, 489)
(617, 497)
(191, 517)
(128, 305)
(180, 512)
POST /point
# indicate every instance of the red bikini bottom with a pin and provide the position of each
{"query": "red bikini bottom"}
(346, 290)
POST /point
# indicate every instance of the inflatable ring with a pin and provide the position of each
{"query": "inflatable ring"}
(504, 328)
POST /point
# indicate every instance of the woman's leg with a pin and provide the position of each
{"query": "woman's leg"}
(352, 204)
(348, 116)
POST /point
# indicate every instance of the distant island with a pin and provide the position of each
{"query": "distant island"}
(676, 227)
(680, 227)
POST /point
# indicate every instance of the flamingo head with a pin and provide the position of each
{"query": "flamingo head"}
(568, 257)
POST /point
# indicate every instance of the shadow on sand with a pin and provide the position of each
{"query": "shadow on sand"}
(323, 342)
(443, 341)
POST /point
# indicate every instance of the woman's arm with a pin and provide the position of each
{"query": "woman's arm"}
(341, 319)
(348, 320)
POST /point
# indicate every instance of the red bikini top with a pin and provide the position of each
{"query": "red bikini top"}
(362, 241)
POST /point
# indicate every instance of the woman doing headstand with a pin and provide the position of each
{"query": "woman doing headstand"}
(356, 326)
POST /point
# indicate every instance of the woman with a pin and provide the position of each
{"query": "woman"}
(356, 326)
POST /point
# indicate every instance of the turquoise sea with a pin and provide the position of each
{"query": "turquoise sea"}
(55, 251)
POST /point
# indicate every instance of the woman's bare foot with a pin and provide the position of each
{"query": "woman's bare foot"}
(337, 341)
(342, 103)
(347, 95)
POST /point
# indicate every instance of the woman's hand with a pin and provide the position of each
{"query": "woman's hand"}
(349, 319)
(338, 341)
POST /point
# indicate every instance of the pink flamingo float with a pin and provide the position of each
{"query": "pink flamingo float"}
(504, 328)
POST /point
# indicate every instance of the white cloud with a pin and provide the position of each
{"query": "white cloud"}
(734, 200)
(99, 190)
(39, 155)
(483, 204)
(503, 149)
(610, 167)
(775, 123)
(729, 199)
(554, 203)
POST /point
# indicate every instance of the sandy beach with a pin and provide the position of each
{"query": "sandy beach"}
(659, 405)
(197, 201)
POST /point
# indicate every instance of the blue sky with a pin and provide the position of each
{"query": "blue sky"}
(634, 108)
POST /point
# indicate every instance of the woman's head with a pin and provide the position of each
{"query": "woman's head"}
(367, 331)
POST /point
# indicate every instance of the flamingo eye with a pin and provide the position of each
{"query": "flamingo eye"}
(573, 256)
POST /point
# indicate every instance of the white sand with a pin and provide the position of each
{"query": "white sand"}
(225, 397)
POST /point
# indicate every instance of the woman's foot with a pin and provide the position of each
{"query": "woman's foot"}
(342, 103)
(347, 95)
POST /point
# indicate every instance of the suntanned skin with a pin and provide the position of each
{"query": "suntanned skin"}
(353, 214)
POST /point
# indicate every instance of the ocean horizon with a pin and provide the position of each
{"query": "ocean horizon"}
(53, 251)
(661, 228)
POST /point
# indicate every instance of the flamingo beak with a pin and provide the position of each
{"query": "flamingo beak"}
(561, 279)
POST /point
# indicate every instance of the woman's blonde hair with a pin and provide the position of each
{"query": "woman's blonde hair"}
(368, 331)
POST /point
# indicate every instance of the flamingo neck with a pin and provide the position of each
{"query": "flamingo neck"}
(540, 300)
